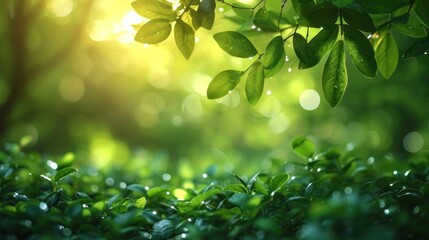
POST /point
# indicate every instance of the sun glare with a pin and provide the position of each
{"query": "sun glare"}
(126, 29)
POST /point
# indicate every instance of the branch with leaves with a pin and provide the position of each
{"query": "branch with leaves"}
(361, 28)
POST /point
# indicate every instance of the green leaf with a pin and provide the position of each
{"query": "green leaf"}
(320, 16)
(204, 16)
(321, 44)
(418, 48)
(342, 3)
(154, 31)
(196, 18)
(206, 19)
(409, 25)
(52, 198)
(381, 6)
(241, 181)
(279, 180)
(235, 44)
(223, 83)
(207, 5)
(251, 183)
(163, 229)
(303, 147)
(421, 8)
(185, 38)
(334, 77)
(228, 213)
(141, 202)
(273, 53)
(266, 20)
(358, 19)
(154, 9)
(260, 188)
(156, 191)
(240, 199)
(386, 54)
(255, 83)
(200, 198)
(242, 10)
(303, 50)
(302, 7)
(276, 69)
(63, 173)
(361, 51)
(235, 187)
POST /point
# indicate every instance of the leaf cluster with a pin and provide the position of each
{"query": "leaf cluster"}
(328, 195)
(362, 29)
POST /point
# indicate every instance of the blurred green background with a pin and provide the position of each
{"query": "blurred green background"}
(79, 83)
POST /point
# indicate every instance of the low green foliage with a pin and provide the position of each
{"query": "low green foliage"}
(326, 195)
(358, 26)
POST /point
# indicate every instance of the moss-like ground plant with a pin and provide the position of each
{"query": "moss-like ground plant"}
(326, 195)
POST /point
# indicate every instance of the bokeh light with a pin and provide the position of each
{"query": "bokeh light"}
(309, 99)
(413, 142)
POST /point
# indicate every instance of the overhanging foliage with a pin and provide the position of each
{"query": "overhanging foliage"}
(362, 28)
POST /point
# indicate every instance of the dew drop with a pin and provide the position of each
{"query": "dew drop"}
(43, 206)
(67, 232)
(336, 194)
(110, 181)
(289, 69)
(28, 223)
(166, 177)
(348, 190)
(154, 212)
(52, 164)
(386, 211)
(381, 203)
(205, 175)
(370, 160)
(122, 185)
(416, 210)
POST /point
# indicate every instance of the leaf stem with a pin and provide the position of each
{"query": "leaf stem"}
(341, 22)
(188, 6)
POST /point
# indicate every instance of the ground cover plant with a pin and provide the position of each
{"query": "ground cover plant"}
(328, 195)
